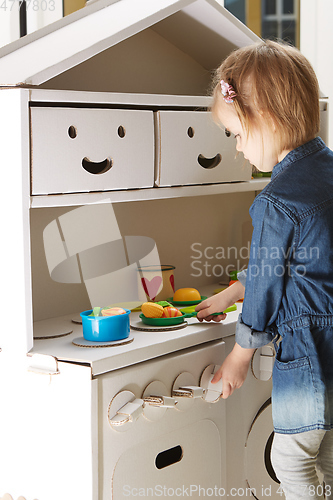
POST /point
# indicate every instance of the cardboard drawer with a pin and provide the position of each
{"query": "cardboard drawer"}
(192, 149)
(79, 149)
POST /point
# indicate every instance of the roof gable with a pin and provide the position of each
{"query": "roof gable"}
(203, 30)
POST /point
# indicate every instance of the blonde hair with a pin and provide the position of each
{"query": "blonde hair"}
(272, 80)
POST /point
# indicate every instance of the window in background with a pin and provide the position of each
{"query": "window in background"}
(237, 8)
(274, 19)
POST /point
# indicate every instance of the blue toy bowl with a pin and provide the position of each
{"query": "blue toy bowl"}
(105, 328)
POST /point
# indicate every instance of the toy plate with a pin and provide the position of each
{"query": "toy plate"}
(186, 302)
(176, 320)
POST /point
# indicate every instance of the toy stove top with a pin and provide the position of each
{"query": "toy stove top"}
(140, 346)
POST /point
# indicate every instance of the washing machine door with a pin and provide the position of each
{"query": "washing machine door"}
(260, 475)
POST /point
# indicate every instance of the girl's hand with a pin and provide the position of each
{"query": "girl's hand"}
(219, 302)
(213, 304)
(234, 370)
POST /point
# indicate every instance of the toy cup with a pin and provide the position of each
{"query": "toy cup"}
(157, 282)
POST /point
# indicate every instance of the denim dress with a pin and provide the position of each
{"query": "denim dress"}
(289, 287)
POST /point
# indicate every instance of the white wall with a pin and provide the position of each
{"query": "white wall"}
(9, 23)
(40, 13)
(316, 45)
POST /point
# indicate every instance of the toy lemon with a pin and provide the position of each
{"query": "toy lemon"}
(151, 310)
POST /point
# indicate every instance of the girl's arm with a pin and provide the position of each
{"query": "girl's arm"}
(235, 367)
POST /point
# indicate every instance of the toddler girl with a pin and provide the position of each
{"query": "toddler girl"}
(267, 97)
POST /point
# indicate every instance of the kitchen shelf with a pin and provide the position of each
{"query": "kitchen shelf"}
(155, 193)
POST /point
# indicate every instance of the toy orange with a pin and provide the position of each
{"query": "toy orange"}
(171, 312)
(186, 295)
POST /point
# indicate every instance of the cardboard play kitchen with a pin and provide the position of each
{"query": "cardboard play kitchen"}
(104, 106)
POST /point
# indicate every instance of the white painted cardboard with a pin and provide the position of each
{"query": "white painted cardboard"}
(192, 149)
(125, 138)
(15, 224)
(48, 433)
(65, 44)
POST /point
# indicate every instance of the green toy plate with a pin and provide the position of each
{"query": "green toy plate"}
(177, 320)
(187, 302)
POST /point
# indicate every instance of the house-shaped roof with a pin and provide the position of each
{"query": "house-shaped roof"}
(127, 46)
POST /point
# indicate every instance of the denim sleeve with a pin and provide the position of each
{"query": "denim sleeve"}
(241, 276)
(272, 239)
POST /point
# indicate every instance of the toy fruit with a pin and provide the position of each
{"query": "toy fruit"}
(112, 311)
(233, 275)
(151, 310)
(186, 295)
(171, 312)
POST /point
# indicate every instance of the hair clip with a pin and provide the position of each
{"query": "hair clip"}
(227, 91)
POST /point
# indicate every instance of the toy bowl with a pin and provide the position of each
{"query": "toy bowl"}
(105, 328)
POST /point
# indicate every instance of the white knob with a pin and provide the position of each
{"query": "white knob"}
(124, 409)
(128, 413)
(212, 391)
(160, 401)
(156, 401)
(181, 391)
(188, 391)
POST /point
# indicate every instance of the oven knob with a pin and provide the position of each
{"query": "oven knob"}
(212, 391)
(189, 391)
(123, 410)
(156, 401)
(185, 391)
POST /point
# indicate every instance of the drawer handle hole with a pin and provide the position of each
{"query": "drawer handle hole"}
(96, 167)
(169, 457)
(190, 132)
(121, 131)
(72, 132)
(209, 162)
